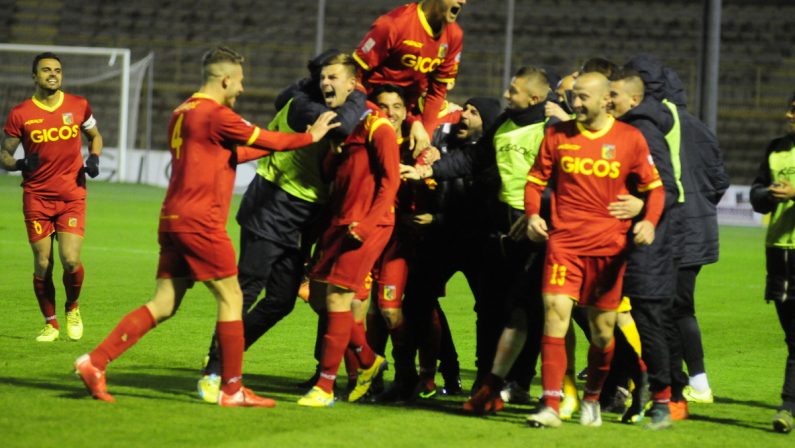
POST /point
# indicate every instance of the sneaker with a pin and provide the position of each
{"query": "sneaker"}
(545, 417)
(424, 390)
(366, 376)
(640, 401)
(583, 375)
(452, 386)
(244, 398)
(317, 398)
(74, 324)
(678, 410)
(659, 417)
(618, 402)
(694, 396)
(485, 401)
(782, 422)
(591, 413)
(514, 393)
(569, 405)
(93, 378)
(48, 334)
(209, 386)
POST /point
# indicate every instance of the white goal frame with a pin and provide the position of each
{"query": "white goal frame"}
(113, 53)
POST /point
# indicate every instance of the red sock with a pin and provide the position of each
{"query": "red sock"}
(72, 282)
(598, 368)
(662, 396)
(230, 349)
(360, 347)
(553, 368)
(335, 341)
(428, 349)
(128, 331)
(351, 364)
(45, 294)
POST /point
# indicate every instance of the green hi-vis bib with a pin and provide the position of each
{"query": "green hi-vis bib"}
(516, 149)
(782, 221)
(674, 139)
(296, 172)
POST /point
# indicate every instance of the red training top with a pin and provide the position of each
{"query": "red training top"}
(367, 175)
(203, 136)
(589, 170)
(54, 134)
(400, 49)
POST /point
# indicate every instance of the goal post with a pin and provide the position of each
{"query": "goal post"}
(91, 72)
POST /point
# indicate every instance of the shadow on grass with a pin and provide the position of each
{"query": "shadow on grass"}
(757, 404)
(732, 422)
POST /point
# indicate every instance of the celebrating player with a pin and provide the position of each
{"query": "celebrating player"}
(416, 46)
(590, 160)
(54, 185)
(194, 245)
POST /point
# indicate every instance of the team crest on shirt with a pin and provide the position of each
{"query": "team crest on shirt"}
(442, 50)
(608, 152)
(389, 292)
(72, 222)
(67, 119)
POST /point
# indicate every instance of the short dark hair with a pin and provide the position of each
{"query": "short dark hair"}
(388, 88)
(534, 73)
(624, 73)
(45, 55)
(220, 54)
(600, 65)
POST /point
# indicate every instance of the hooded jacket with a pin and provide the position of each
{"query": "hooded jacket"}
(703, 178)
(651, 272)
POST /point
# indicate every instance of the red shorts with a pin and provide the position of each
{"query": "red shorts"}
(198, 256)
(345, 262)
(45, 216)
(390, 273)
(591, 281)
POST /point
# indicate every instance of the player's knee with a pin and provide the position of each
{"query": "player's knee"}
(393, 317)
(71, 263)
(41, 265)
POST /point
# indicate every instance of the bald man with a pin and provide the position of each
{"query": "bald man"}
(591, 159)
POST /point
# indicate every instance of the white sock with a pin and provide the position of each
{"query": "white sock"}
(699, 382)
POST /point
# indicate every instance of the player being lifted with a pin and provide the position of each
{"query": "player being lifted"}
(194, 246)
(54, 185)
(416, 46)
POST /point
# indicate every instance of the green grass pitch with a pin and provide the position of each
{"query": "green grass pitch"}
(43, 404)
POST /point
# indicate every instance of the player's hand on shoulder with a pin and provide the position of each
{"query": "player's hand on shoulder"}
(644, 233)
(92, 166)
(537, 229)
(322, 125)
(627, 207)
(553, 109)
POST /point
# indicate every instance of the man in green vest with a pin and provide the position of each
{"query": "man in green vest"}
(511, 264)
(773, 192)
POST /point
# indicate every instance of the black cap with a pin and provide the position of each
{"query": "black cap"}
(488, 108)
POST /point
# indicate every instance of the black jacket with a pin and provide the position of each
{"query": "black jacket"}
(651, 272)
(704, 178)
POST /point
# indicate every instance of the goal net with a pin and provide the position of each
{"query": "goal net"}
(110, 82)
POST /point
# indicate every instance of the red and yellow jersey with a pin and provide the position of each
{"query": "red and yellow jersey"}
(204, 135)
(401, 49)
(54, 134)
(367, 175)
(588, 171)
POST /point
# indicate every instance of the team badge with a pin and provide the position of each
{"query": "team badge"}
(608, 152)
(390, 291)
(368, 281)
(442, 50)
(72, 222)
(368, 45)
(67, 119)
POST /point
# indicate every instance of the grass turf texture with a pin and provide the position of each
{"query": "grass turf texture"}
(44, 404)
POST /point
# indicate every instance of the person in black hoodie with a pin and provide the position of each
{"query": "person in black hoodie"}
(701, 181)
(650, 278)
(508, 263)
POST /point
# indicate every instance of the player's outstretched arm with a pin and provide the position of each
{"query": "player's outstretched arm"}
(322, 125)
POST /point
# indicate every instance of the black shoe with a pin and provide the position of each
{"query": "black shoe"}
(396, 392)
(583, 375)
(452, 386)
(640, 400)
(311, 381)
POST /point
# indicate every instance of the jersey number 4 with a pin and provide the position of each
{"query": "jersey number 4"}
(176, 136)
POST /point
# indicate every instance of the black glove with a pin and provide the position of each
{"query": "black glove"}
(92, 166)
(29, 163)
